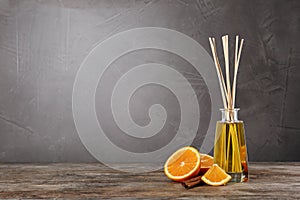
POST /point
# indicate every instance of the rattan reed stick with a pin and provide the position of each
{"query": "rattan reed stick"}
(219, 72)
(236, 67)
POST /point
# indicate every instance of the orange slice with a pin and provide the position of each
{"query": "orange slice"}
(206, 163)
(216, 176)
(183, 164)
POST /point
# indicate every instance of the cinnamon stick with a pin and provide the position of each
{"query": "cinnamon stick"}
(192, 182)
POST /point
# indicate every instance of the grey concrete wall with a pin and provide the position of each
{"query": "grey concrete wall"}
(43, 43)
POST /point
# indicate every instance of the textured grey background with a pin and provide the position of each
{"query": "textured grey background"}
(43, 43)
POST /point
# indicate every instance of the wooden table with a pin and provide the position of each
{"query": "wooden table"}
(267, 180)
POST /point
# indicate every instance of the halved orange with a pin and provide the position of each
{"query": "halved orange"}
(183, 164)
(206, 163)
(216, 176)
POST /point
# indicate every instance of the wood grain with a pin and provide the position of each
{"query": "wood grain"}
(267, 180)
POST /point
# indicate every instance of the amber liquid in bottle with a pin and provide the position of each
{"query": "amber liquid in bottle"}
(230, 151)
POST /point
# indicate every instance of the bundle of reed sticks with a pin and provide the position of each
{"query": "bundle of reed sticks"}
(228, 90)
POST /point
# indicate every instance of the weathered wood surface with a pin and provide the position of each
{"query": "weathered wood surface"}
(267, 180)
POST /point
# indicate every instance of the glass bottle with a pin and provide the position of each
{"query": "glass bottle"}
(230, 151)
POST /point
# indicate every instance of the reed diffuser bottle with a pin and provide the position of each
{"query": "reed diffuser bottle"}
(230, 151)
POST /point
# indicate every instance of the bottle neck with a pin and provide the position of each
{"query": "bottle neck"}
(230, 115)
